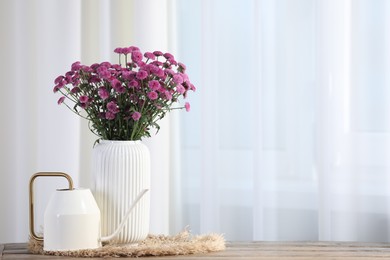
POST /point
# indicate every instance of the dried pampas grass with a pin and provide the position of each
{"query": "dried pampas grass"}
(154, 245)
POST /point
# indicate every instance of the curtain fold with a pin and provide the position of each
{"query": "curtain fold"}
(292, 119)
(41, 39)
(36, 44)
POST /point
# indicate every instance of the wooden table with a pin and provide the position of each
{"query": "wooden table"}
(253, 250)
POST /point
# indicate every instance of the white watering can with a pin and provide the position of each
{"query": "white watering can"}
(72, 218)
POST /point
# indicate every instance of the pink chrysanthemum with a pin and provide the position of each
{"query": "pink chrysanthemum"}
(112, 107)
(182, 66)
(134, 83)
(60, 100)
(134, 48)
(75, 66)
(110, 116)
(158, 53)
(103, 93)
(136, 116)
(75, 90)
(154, 85)
(142, 74)
(150, 55)
(168, 95)
(168, 56)
(136, 56)
(58, 79)
(177, 78)
(83, 99)
(152, 95)
(126, 50)
(180, 89)
(187, 106)
(118, 50)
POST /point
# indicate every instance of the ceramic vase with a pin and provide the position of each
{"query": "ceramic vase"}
(121, 171)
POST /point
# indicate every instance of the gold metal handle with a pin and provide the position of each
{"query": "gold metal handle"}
(42, 174)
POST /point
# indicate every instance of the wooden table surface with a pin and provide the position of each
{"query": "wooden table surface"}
(252, 250)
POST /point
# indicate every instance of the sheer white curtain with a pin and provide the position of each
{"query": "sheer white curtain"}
(35, 133)
(288, 138)
(40, 40)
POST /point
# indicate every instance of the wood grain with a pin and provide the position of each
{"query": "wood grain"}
(253, 250)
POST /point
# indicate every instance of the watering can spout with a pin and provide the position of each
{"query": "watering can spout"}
(126, 217)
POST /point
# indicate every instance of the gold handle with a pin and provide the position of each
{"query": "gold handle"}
(42, 174)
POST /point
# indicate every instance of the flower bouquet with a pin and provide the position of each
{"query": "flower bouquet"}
(124, 102)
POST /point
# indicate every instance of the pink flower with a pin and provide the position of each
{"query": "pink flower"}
(103, 93)
(133, 83)
(121, 89)
(75, 80)
(126, 50)
(185, 77)
(142, 74)
(106, 64)
(75, 90)
(67, 79)
(172, 62)
(95, 66)
(134, 48)
(158, 53)
(134, 98)
(136, 116)
(169, 72)
(86, 69)
(151, 68)
(136, 56)
(75, 66)
(177, 78)
(187, 106)
(117, 85)
(152, 95)
(84, 105)
(161, 90)
(112, 107)
(150, 55)
(128, 75)
(180, 89)
(182, 66)
(168, 95)
(168, 56)
(118, 50)
(103, 72)
(58, 80)
(69, 73)
(116, 67)
(56, 88)
(160, 73)
(61, 100)
(94, 79)
(157, 63)
(154, 85)
(110, 115)
(141, 64)
(83, 99)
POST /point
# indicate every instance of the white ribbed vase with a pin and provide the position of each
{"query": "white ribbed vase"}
(121, 170)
